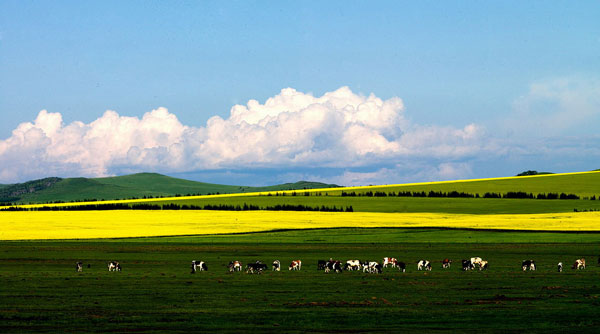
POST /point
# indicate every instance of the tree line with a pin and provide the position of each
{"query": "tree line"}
(173, 206)
(457, 194)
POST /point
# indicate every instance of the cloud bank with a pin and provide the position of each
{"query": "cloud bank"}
(340, 129)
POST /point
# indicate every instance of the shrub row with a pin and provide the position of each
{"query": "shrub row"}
(456, 194)
(172, 206)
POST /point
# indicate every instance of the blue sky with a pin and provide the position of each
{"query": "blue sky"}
(525, 75)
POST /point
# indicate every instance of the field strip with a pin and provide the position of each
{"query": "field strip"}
(133, 223)
(290, 192)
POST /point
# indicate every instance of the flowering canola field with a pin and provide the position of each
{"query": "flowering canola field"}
(135, 223)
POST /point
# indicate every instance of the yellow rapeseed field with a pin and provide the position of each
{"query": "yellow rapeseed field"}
(135, 223)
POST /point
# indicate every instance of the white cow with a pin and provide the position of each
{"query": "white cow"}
(79, 266)
(560, 266)
(476, 261)
(353, 265)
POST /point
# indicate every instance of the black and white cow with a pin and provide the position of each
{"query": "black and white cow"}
(79, 266)
(424, 265)
(352, 265)
(373, 268)
(321, 264)
(198, 266)
(295, 265)
(235, 266)
(528, 264)
(560, 267)
(401, 266)
(256, 267)
(114, 266)
(467, 265)
(276, 265)
(333, 265)
(446, 263)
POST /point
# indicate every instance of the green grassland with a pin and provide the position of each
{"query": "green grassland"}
(155, 292)
(405, 204)
(584, 184)
(139, 186)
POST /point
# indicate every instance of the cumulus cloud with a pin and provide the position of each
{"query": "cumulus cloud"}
(340, 129)
(555, 107)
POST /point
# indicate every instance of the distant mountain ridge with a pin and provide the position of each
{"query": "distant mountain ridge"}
(139, 185)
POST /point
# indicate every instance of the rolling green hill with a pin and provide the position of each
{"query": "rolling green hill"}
(130, 186)
(585, 185)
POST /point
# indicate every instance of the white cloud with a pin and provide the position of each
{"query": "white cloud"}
(292, 129)
(556, 107)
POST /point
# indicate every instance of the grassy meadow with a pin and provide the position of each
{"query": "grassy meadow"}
(155, 292)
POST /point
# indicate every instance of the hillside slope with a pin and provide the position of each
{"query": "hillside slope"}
(584, 184)
(135, 186)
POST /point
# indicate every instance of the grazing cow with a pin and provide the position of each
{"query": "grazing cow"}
(295, 265)
(446, 263)
(476, 261)
(560, 265)
(579, 264)
(352, 265)
(276, 265)
(256, 267)
(483, 265)
(528, 264)
(467, 265)
(198, 266)
(389, 261)
(333, 265)
(321, 264)
(79, 266)
(235, 266)
(401, 266)
(373, 268)
(114, 266)
(424, 265)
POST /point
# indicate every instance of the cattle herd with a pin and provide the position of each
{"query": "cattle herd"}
(372, 267)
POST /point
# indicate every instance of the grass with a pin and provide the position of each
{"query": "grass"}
(404, 204)
(587, 183)
(584, 184)
(41, 292)
(141, 185)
